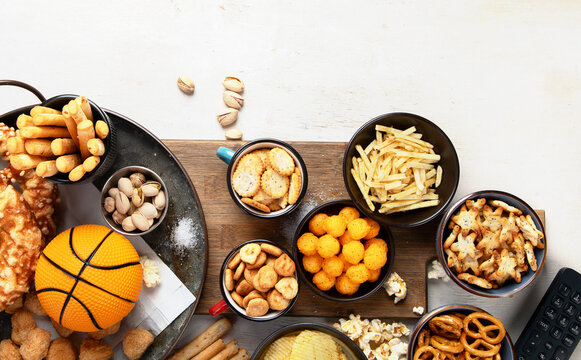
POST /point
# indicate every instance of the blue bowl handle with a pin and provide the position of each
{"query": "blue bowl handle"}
(225, 154)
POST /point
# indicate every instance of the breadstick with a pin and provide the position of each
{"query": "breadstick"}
(85, 131)
(211, 350)
(211, 334)
(67, 163)
(15, 145)
(25, 161)
(63, 146)
(91, 163)
(241, 355)
(85, 107)
(101, 129)
(76, 112)
(77, 173)
(32, 132)
(24, 121)
(48, 120)
(47, 168)
(71, 125)
(230, 349)
(43, 110)
(96, 146)
(39, 147)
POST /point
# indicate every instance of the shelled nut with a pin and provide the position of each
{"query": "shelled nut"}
(233, 84)
(233, 134)
(227, 117)
(186, 85)
(233, 99)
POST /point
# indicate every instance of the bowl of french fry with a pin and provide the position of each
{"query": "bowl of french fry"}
(401, 169)
(66, 139)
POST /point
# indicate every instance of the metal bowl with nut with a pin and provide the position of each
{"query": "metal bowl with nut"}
(134, 200)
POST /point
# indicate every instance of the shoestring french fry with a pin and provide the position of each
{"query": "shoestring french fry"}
(63, 146)
(397, 170)
(39, 147)
(47, 168)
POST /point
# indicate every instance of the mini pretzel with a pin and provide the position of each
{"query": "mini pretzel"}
(479, 347)
(426, 350)
(447, 345)
(448, 326)
(424, 338)
(467, 356)
(484, 330)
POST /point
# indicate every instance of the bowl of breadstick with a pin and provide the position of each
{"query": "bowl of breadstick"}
(66, 139)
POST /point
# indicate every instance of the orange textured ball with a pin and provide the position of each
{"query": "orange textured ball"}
(88, 278)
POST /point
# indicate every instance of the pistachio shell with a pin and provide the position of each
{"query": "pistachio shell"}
(233, 99)
(137, 198)
(186, 85)
(137, 179)
(140, 221)
(227, 117)
(147, 210)
(125, 186)
(127, 224)
(109, 204)
(233, 84)
(118, 218)
(112, 192)
(159, 200)
(151, 188)
(122, 203)
(233, 134)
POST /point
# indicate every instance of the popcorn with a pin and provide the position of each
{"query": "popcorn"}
(437, 271)
(418, 310)
(151, 277)
(377, 340)
(395, 285)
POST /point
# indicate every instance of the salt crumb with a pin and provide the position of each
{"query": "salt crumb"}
(185, 234)
(437, 271)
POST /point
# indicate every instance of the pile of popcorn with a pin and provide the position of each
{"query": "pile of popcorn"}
(378, 340)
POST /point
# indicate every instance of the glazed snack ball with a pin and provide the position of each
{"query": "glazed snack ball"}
(345, 238)
(335, 225)
(333, 266)
(346, 264)
(358, 273)
(317, 224)
(374, 275)
(353, 252)
(358, 228)
(374, 257)
(382, 244)
(345, 286)
(323, 281)
(349, 213)
(307, 244)
(328, 246)
(313, 263)
(373, 229)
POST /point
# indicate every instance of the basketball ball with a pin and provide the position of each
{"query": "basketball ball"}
(88, 278)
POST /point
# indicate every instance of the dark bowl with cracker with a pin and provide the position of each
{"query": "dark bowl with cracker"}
(510, 287)
(229, 302)
(441, 145)
(367, 288)
(255, 208)
(506, 347)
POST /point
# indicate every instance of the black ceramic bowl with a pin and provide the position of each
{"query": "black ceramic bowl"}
(506, 350)
(442, 146)
(57, 102)
(367, 288)
(347, 345)
(272, 314)
(232, 158)
(510, 287)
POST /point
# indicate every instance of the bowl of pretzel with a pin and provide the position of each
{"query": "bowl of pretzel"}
(491, 243)
(460, 332)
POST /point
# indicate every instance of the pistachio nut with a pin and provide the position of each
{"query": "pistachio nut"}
(147, 210)
(125, 186)
(118, 218)
(140, 221)
(112, 192)
(233, 134)
(150, 222)
(233, 99)
(122, 203)
(186, 85)
(127, 224)
(109, 204)
(233, 84)
(137, 179)
(151, 188)
(227, 117)
(137, 198)
(159, 200)
(158, 214)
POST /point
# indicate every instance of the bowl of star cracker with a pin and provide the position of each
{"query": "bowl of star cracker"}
(491, 243)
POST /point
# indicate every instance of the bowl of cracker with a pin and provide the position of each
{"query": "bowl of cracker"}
(266, 178)
(491, 243)
(401, 169)
(460, 331)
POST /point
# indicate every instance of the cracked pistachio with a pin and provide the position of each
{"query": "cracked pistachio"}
(137, 179)
(122, 203)
(233, 99)
(137, 198)
(140, 221)
(109, 204)
(233, 84)
(127, 224)
(186, 85)
(151, 188)
(227, 117)
(118, 218)
(233, 134)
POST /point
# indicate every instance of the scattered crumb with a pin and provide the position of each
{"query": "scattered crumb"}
(418, 310)
(437, 271)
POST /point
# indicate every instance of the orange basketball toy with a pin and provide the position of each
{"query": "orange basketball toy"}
(88, 278)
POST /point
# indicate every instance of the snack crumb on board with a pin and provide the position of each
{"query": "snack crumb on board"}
(419, 310)
(151, 276)
(396, 286)
(437, 271)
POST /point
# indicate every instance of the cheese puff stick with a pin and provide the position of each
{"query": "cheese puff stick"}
(102, 129)
(37, 110)
(85, 132)
(63, 146)
(67, 163)
(24, 121)
(15, 145)
(76, 112)
(32, 132)
(47, 168)
(91, 163)
(71, 124)
(77, 173)
(96, 147)
(25, 161)
(48, 120)
(39, 147)
(202, 341)
(85, 107)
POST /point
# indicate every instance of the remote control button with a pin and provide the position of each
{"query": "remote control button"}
(529, 350)
(558, 302)
(536, 335)
(576, 298)
(520, 357)
(575, 329)
(550, 313)
(543, 325)
(564, 289)
(542, 356)
(563, 321)
(548, 345)
(561, 351)
(578, 317)
(568, 341)
(556, 333)
(570, 309)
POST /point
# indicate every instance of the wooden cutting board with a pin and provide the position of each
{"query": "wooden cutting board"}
(229, 226)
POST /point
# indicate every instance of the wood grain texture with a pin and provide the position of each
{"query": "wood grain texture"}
(229, 226)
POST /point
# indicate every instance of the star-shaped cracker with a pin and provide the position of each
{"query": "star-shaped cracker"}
(507, 267)
(452, 237)
(475, 280)
(464, 246)
(505, 206)
(532, 260)
(509, 228)
(529, 230)
(518, 247)
(487, 267)
(477, 204)
(490, 241)
(467, 220)
(491, 218)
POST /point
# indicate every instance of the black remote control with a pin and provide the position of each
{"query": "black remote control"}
(555, 327)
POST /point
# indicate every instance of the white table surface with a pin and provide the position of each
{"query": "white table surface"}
(501, 78)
